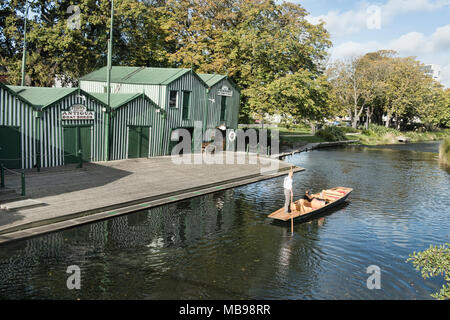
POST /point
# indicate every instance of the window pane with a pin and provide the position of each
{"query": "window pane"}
(223, 107)
(173, 99)
(186, 104)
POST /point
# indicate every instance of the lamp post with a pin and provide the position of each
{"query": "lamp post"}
(108, 83)
(24, 53)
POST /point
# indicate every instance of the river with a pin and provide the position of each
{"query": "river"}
(223, 246)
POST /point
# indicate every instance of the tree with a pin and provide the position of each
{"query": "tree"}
(347, 81)
(435, 107)
(433, 262)
(380, 83)
(404, 89)
(254, 42)
(54, 48)
(298, 96)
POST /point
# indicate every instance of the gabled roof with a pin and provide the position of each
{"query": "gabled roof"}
(41, 97)
(212, 79)
(137, 75)
(119, 99)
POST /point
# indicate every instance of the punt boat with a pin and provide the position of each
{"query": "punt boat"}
(320, 202)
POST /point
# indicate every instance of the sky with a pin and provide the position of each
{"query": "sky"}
(419, 28)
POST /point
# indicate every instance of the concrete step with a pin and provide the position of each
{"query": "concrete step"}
(21, 204)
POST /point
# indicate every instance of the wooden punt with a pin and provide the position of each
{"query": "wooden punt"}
(304, 209)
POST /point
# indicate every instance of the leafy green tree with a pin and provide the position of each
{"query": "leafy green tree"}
(347, 80)
(54, 47)
(435, 261)
(254, 41)
(298, 96)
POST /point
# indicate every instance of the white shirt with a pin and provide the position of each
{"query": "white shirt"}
(288, 183)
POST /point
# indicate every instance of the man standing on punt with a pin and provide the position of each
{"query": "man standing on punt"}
(288, 194)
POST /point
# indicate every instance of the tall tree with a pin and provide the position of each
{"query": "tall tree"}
(253, 41)
(58, 46)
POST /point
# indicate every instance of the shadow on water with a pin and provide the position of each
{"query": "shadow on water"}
(320, 215)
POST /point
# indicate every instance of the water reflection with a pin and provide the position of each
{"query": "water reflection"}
(223, 246)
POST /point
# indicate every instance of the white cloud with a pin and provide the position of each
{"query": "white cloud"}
(445, 75)
(343, 23)
(412, 43)
(441, 38)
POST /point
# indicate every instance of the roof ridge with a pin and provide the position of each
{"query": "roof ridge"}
(133, 73)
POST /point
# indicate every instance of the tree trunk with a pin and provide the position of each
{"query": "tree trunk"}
(388, 120)
(313, 128)
(355, 121)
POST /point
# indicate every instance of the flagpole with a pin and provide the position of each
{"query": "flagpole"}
(24, 53)
(108, 82)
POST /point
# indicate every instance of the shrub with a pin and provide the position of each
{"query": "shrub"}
(331, 134)
(435, 261)
(381, 130)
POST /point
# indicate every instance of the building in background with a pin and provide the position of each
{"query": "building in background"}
(434, 70)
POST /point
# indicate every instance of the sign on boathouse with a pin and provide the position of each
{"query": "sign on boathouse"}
(225, 91)
(77, 112)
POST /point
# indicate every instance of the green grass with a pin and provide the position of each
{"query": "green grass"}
(285, 139)
(294, 130)
(444, 152)
(377, 135)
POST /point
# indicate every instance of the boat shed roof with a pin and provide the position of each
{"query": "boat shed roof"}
(212, 79)
(138, 75)
(41, 97)
(117, 100)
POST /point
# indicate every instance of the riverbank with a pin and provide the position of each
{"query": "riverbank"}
(292, 139)
(64, 197)
(444, 152)
(379, 135)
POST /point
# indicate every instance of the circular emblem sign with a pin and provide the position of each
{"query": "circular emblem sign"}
(232, 136)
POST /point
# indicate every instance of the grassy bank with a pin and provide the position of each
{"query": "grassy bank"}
(444, 152)
(375, 135)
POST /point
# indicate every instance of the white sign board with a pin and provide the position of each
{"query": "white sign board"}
(77, 112)
(225, 91)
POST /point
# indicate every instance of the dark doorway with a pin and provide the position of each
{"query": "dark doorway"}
(10, 147)
(77, 138)
(138, 141)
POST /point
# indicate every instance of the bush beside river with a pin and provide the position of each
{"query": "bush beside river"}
(444, 152)
(375, 135)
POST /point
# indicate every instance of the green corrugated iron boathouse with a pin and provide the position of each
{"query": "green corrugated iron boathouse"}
(49, 126)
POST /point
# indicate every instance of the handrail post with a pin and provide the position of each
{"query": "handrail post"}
(2, 184)
(38, 161)
(23, 183)
(80, 159)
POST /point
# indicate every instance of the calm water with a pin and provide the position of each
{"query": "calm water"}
(222, 246)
